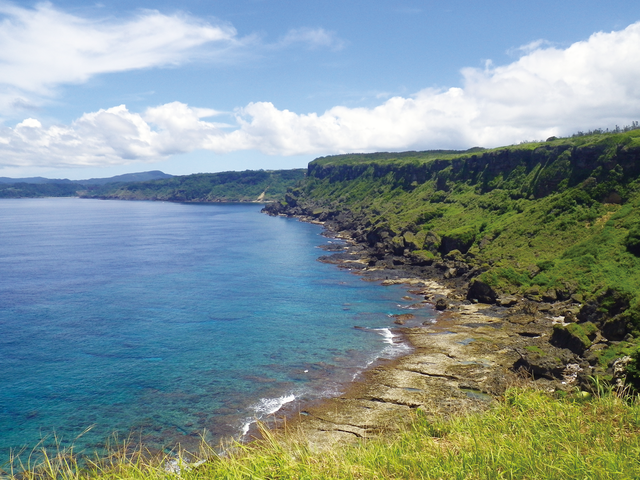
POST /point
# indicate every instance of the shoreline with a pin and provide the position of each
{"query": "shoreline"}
(461, 363)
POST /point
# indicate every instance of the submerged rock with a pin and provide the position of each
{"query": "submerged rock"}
(401, 318)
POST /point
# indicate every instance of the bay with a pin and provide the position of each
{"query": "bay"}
(171, 321)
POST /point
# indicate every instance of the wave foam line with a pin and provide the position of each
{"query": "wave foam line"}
(265, 407)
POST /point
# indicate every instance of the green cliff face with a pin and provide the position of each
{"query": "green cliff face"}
(549, 221)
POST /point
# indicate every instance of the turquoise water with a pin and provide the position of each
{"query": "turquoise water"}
(169, 320)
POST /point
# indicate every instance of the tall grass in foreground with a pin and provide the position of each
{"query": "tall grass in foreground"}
(528, 434)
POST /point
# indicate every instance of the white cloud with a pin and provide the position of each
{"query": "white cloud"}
(549, 91)
(109, 137)
(313, 38)
(42, 48)
(530, 47)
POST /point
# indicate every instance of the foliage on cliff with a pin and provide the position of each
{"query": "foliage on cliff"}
(548, 220)
(247, 186)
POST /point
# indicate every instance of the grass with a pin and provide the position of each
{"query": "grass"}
(527, 434)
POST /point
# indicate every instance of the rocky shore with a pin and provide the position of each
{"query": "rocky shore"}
(464, 361)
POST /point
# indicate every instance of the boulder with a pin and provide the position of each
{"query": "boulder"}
(543, 361)
(550, 296)
(432, 242)
(451, 273)
(577, 337)
(441, 304)
(507, 300)
(481, 292)
(459, 239)
(533, 293)
(615, 328)
(620, 371)
(400, 319)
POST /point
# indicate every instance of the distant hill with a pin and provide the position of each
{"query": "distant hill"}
(247, 186)
(35, 187)
(127, 177)
(37, 190)
(34, 180)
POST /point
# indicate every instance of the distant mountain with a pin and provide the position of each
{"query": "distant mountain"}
(127, 177)
(34, 180)
(247, 186)
(34, 187)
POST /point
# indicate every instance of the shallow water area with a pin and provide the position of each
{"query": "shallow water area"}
(172, 319)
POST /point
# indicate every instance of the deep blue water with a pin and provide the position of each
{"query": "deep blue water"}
(170, 319)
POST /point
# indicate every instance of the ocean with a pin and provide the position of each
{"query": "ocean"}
(168, 322)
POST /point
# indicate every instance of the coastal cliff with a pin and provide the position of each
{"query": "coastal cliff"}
(553, 224)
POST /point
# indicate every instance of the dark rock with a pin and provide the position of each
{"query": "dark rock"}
(400, 319)
(543, 361)
(274, 209)
(441, 304)
(620, 371)
(590, 313)
(291, 200)
(577, 337)
(461, 242)
(451, 273)
(533, 293)
(593, 354)
(462, 269)
(481, 292)
(507, 300)
(545, 307)
(550, 296)
(615, 302)
(615, 328)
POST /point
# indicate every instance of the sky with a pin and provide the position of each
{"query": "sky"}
(100, 89)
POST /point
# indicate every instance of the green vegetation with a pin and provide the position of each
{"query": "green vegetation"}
(247, 186)
(32, 190)
(553, 221)
(527, 434)
(548, 220)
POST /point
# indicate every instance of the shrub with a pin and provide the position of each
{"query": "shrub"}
(633, 240)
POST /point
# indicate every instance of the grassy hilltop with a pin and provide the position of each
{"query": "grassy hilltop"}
(552, 221)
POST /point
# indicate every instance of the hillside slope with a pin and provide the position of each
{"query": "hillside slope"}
(551, 222)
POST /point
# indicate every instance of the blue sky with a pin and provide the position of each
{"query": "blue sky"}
(95, 90)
